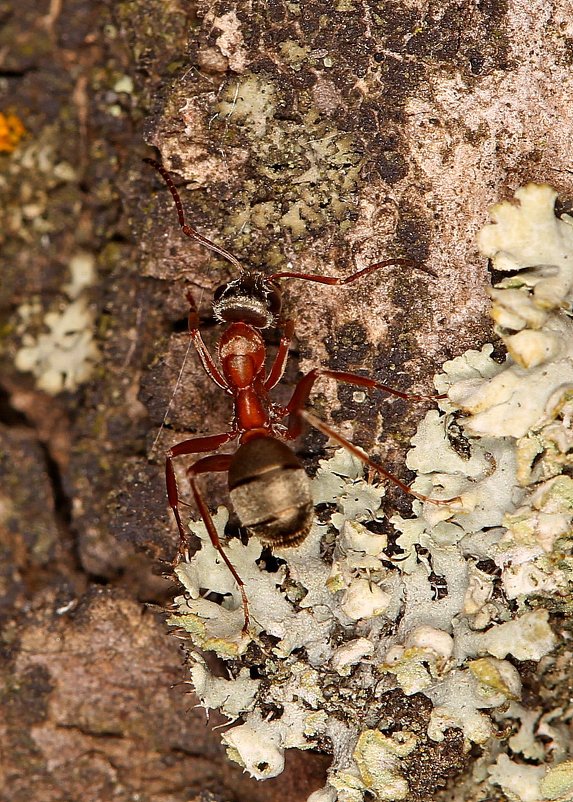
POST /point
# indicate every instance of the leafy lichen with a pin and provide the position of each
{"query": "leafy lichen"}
(345, 621)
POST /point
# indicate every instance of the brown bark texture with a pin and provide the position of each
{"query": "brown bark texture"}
(324, 135)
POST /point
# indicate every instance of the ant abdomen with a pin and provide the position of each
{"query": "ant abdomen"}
(270, 491)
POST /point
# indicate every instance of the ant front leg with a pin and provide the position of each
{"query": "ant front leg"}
(278, 366)
(195, 445)
(212, 464)
(209, 365)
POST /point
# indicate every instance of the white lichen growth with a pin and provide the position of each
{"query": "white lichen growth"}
(447, 608)
(320, 161)
(62, 355)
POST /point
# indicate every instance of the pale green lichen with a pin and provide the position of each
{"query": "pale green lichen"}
(344, 620)
(311, 166)
(251, 101)
(64, 354)
(520, 783)
(378, 760)
(558, 782)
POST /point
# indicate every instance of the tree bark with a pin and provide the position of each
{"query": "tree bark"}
(318, 135)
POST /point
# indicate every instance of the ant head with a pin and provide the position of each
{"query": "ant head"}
(252, 299)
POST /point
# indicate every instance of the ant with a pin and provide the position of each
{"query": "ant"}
(268, 486)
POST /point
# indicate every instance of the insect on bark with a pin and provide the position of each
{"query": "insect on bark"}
(268, 486)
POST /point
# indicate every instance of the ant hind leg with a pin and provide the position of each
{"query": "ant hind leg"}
(341, 440)
(216, 463)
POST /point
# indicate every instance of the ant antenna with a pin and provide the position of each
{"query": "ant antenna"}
(186, 229)
(358, 274)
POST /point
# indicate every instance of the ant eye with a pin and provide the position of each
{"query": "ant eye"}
(274, 300)
(219, 291)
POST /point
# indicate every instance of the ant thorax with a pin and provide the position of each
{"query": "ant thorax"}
(242, 355)
(251, 299)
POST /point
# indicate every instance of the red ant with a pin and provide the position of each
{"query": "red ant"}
(269, 488)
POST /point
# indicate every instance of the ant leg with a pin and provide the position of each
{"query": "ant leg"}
(304, 387)
(329, 432)
(278, 366)
(366, 271)
(193, 446)
(212, 464)
(209, 365)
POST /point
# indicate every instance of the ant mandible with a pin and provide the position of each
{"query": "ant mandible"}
(268, 486)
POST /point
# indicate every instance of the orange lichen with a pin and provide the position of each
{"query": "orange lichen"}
(11, 132)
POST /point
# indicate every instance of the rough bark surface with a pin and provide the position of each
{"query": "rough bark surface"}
(327, 135)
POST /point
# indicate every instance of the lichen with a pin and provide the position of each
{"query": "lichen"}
(63, 353)
(311, 166)
(353, 617)
(11, 131)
